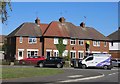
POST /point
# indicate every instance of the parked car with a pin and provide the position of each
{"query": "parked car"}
(52, 61)
(116, 62)
(33, 60)
(97, 61)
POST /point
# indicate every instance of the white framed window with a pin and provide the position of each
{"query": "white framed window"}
(56, 41)
(32, 52)
(96, 43)
(72, 41)
(21, 39)
(56, 53)
(73, 54)
(65, 41)
(32, 40)
(20, 53)
(80, 42)
(105, 44)
(65, 53)
(81, 54)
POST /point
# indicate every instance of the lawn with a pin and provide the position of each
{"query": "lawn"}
(8, 73)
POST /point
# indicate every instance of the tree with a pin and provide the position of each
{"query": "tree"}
(3, 10)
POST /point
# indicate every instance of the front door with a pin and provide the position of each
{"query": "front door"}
(48, 54)
(20, 55)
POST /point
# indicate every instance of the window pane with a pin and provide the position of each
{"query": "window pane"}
(55, 40)
(32, 39)
(20, 53)
(65, 41)
(32, 53)
(72, 41)
(21, 39)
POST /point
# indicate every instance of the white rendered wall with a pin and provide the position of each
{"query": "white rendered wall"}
(116, 46)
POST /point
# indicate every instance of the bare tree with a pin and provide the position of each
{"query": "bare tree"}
(3, 9)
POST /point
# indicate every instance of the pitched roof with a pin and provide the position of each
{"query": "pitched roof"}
(90, 33)
(67, 29)
(27, 29)
(115, 35)
(43, 27)
(56, 29)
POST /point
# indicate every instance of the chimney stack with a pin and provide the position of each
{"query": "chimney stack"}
(82, 25)
(62, 19)
(37, 21)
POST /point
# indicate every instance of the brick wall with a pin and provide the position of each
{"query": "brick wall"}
(49, 45)
(115, 54)
(25, 45)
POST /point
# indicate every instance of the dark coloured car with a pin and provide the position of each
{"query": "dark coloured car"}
(33, 60)
(52, 61)
(116, 62)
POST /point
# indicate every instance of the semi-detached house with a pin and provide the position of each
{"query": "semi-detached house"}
(43, 39)
(114, 45)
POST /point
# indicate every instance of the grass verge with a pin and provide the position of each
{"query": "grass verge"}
(8, 73)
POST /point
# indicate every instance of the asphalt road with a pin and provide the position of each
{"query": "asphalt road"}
(74, 76)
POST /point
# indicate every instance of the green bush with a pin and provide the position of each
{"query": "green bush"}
(4, 62)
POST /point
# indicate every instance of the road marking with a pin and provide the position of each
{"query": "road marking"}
(112, 73)
(75, 76)
(80, 79)
(115, 69)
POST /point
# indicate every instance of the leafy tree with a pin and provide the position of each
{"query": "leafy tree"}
(3, 9)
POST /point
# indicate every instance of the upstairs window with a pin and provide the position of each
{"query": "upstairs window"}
(65, 41)
(32, 40)
(72, 41)
(56, 41)
(112, 43)
(105, 44)
(81, 42)
(21, 39)
(96, 43)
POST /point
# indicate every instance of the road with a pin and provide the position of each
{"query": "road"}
(74, 76)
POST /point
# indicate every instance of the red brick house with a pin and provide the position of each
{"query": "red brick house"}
(114, 45)
(24, 41)
(76, 40)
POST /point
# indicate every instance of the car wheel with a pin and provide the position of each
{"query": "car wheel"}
(84, 66)
(59, 65)
(105, 67)
(41, 65)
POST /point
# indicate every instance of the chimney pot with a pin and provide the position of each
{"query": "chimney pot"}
(37, 21)
(62, 19)
(82, 24)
